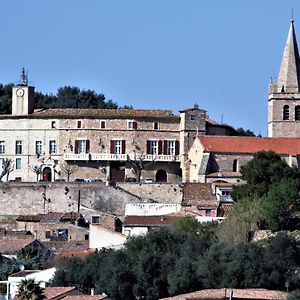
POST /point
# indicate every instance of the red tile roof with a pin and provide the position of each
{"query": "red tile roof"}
(12, 246)
(103, 113)
(87, 297)
(150, 220)
(53, 292)
(198, 194)
(260, 294)
(230, 144)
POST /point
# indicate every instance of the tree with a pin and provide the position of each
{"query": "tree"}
(266, 168)
(280, 204)
(294, 295)
(244, 218)
(7, 167)
(68, 169)
(243, 132)
(138, 162)
(38, 171)
(28, 290)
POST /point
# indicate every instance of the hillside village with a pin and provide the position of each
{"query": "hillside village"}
(78, 181)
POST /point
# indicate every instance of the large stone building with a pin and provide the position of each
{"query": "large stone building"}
(100, 144)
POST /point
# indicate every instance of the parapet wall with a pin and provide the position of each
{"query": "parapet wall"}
(34, 198)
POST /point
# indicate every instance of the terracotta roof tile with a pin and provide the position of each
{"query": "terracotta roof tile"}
(87, 297)
(150, 220)
(103, 113)
(13, 245)
(198, 194)
(52, 292)
(230, 144)
(259, 294)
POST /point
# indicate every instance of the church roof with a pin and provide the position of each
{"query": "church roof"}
(289, 74)
(237, 144)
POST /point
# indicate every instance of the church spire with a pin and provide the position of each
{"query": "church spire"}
(289, 75)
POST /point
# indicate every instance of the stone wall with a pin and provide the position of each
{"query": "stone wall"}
(26, 198)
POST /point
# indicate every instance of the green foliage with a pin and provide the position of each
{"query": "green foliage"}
(266, 168)
(243, 132)
(281, 202)
(28, 290)
(66, 97)
(295, 295)
(244, 218)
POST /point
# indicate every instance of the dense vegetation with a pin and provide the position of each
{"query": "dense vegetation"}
(188, 256)
(66, 97)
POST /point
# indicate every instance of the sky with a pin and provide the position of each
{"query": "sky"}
(159, 54)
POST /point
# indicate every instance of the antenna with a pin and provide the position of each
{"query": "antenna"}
(292, 16)
(23, 78)
(221, 118)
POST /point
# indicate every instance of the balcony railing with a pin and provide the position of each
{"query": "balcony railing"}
(119, 157)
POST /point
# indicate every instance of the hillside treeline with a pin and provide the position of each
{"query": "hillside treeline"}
(66, 97)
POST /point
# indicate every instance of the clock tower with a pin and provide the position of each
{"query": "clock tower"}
(22, 97)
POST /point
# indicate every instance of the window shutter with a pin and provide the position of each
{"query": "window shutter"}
(176, 147)
(87, 146)
(123, 146)
(148, 147)
(159, 147)
(165, 148)
(112, 146)
(76, 146)
(134, 125)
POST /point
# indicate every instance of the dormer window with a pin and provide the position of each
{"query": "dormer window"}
(131, 124)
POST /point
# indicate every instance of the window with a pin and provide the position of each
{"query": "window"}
(235, 165)
(38, 147)
(47, 234)
(117, 146)
(82, 146)
(52, 147)
(102, 124)
(18, 147)
(18, 164)
(53, 124)
(154, 147)
(79, 124)
(131, 124)
(156, 125)
(2, 147)
(286, 112)
(95, 220)
(297, 113)
(171, 147)
(193, 117)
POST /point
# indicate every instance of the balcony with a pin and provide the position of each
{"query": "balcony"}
(119, 157)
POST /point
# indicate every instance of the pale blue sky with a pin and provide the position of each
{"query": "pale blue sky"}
(162, 54)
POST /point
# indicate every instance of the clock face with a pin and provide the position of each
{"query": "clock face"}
(20, 92)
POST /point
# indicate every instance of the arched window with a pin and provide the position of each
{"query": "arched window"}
(297, 113)
(286, 112)
(235, 165)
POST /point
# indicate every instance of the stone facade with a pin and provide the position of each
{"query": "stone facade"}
(98, 144)
(284, 93)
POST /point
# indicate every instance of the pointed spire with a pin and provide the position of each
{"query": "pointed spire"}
(289, 75)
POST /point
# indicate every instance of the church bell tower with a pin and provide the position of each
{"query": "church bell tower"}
(22, 97)
(284, 93)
